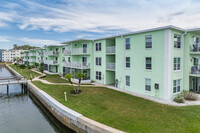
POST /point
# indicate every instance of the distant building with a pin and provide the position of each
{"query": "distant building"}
(9, 55)
(1, 54)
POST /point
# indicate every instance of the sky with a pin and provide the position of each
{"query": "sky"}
(51, 22)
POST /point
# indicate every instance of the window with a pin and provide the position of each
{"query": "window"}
(98, 46)
(128, 44)
(128, 64)
(177, 63)
(177, 41)
(148, 84)
(63, 50)
(69, 59)
(127, 80)
(98, 75)
(148, 63)
(98, 61)
(148, 41)
(176, 86)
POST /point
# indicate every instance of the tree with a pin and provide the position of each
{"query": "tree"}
(80, 76)
(35, 65)
(41, 67)
(69, 78)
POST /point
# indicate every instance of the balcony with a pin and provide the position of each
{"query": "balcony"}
(56, 53)
(195, 48)
(25, 55)
(51, 62)
(110, 66)
(39, 61)
(80, 51)
(110, 50)
(80, 65)
(31, 60)
(40, 54)
(67, 52)
(66, 64)
(32, 54)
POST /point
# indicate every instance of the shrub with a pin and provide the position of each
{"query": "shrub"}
(189, 95)
(22, 66)
(179, 98)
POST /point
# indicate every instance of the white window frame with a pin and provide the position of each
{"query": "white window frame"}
(176, 86)
(177, 41)
(147, 84)
(98, 46)
(98, 75)
(98, 61)
(147, 40)
(128, 83)
(148, 68)
(128, 44)
(177, 65)
(128, 62)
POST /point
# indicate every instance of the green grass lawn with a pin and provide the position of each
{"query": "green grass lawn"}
(126, 112)
(54, 79)
(57, 79)
(25, 72)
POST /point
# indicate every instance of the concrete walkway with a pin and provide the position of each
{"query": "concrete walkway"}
(157, 100)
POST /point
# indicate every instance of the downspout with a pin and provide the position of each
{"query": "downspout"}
(182, 56)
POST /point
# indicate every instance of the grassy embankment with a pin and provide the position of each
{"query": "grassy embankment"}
(126, 112)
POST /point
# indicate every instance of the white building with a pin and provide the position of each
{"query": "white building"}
(9, 55)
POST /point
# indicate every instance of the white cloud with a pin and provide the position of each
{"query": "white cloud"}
(39, 42)
(102, 16)
(4, 39)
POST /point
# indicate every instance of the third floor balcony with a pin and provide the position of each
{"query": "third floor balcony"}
(80, 51)
(32, 54)
(51, 62)
(52, 53)
(195, 48)
(67, 52)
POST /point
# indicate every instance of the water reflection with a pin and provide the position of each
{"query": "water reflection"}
(21, 112)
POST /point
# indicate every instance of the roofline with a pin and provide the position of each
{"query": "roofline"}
(142, 31)
(80, 39)
(194, 29)
(137, 32)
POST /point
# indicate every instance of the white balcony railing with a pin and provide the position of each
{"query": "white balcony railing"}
(80, 65)
(32, 54)
(25, 55)
(77, 51)
(110, 50)
(66, 64)
(67, 52)
(110, 66)
(51, 62)
(31, 60)
(39, 54)
(52, 53)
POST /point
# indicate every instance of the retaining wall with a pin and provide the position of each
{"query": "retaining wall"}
(67, 116)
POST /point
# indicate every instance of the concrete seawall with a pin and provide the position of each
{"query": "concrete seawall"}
(67, 116)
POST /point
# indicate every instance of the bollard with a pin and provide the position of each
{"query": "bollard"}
(65, 96)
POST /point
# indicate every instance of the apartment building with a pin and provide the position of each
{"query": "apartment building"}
(1, 55)
(9, 55)
(158, 62)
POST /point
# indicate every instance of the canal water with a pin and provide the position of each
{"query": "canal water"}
(21, 112)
